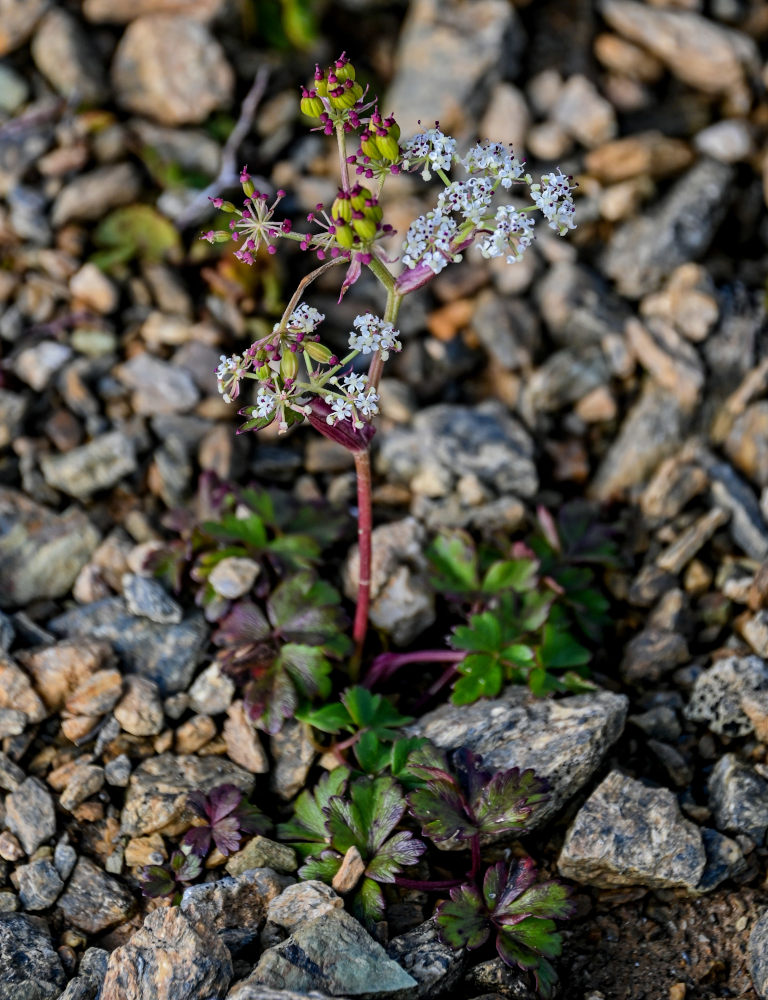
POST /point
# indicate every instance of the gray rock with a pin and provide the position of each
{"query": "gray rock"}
(627, 833)
(728, 490)
(211, 692)
(147, 598)
(644, 251)
(17, 20)
(171, 69)
(7, 633)
(234, 908)
(583, 113)
(30, 969)
(652, 653)
(246, 990)
(448, 54)
(169, 958)
(435, 966)
(118, 771)
(38, 883)
(757, 955)
(86, 780)
(123, 11)
(95, 466)
(94, 901)
(65, 56)
(156, 798)
(91, 195)
(738, 798)
(165, 654)
(159, 386)
(718, 694)
(12, 722)
(13, 406)
(497, 979)
(577, 306)
(30, 814)
(260, 852)
(564, 378)
(14, 90)
(485, 441)
(41, 552)
(36, 365)
(729, 140)
(563, 741)
(294, 753)
(724, 860)
(302, 901)
(659, 722)
(334, 954)
(651, 431)
(64, 858)
(11, 775)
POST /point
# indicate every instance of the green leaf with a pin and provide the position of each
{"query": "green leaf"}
(308, 668)
(373, 711)
(250, 529)
(463, 920)
(453, 558)
(517, 654)
(372, 755)
(368, 903)
(328, 719)
(482, 635)
(440, 809)
(156, 881)
(323, 868)
(381, 804)
(519, 575)
(508, 800)
(535, 610)
(308, 823)
(305, 610)
(401, 850)
(535, 935)
(559, 649)
(136, 231)
(482, 678)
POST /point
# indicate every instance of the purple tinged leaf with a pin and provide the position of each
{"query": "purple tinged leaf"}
(198, 839)
(402, 849)
(198, 803)
(250, 819)
(190, 868)
(381, 805)
(343, 825)
(440, 809)
(322, 867)
(368, 903)
(226, 835)
(245, 623)
(222, 800)
(546, 979)
(548, 900)
(463, 920)
(156, 881)
(508, 800)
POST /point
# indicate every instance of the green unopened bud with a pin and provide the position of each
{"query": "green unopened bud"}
(312, 107)
(365, 228)
(345, 71)
(341, 208)
(393, 129)
(374, 212)
(263, 372)
(368, 146)
(388, 147)
(344, 235)
(318, 352)
(359, 196)
(321, 87)
(289, 365)
(249, 187)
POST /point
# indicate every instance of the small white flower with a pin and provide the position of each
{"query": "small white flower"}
(341, 409)
(374, 334)
(554, 199)
(305, 319)
(428, 241)
(470, 198)
(511, 236)
(367, 403)
(265, 403)
(495, 161)
(354, 383)
(432, 149)
(229, 373)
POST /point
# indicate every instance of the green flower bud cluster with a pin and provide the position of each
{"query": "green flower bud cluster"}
(334, 89)
(355, 213)
(379, 140)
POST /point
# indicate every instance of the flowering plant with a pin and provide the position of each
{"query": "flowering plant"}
(297, 376)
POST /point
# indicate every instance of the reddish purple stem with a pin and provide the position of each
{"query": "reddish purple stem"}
(387, 664)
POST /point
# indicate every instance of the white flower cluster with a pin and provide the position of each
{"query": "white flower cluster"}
(356, 399)
(554, 200)
(428, 241)
(430, 149)
(511, 236)
(265, 403)
(229, 373)
(493, 160)
(374, 334)
(304, 319)
(470, 198)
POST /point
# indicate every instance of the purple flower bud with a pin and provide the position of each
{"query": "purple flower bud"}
(216, 202)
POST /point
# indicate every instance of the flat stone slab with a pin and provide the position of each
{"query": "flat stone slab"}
(30, 968)
(564, 741)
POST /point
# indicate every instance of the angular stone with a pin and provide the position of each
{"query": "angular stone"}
(627, 833)
(30, 968)
(157, 792)
(123, 11)
(334, 954)
(234, 908)
(171, 69)
(12, 722)
(16, 691)
(738, 798)
(11, 775)
(724, 860)
(147, 598)
(96, 695)
(260, 852)
(646, 153)
(30, 814)
(166, 654)
(350, 870)
(159, 386)
(563, 741)
(94, 901)
(95, 466)
(757, 952)
(233, 577)
(672, 361)
(169, 958)
(676, 556)
(86, 780)
(435, 966)
(91, 195)
(303, 901)
(583, 113)
(38, 883)
(719, 693)
(41, 552)
(755, 631)
(194, 734)
(653, 653)
(94, 289)
(294, 754)
(58, 670)
(13, 407)
(140, 711)
(747, 443)
(63, 53)
(243, 746)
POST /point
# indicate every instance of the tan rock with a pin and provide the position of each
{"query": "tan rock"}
(149, 850)
(77, 728)
(670, 359)
(123, 11)
(85, 782)
(243, 745)
(350, 872)
(260, 852)
(627, 59)
(140, 710)
(94, 289)
(583, 113)
(303, 901)
(10, 848)
(646, 153)
(16, 691)
(58, 670)
(96, 695)
(195, 733)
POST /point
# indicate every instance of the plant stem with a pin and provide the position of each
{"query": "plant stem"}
(414, 883)
(388, 663)
(341, 141)
(306, 280)
(364, 529)
(390, 315)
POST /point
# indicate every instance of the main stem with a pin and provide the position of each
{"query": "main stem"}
(364, 529)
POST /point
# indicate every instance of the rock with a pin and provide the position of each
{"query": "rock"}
(159, 386)
(246, 990)
(303, 901)
(211, 691)
(91, 195)
(17, 693)
(435, 966)
(697, 50)
(30, 814)
(651, 431)
(194, 734)
(243, 746)
(30, 968)
(755, 631)
(41, 552)
(157, 791)
(170, 68)
(140, 711)
(64, 858)
(12, 722)
(260, 852)
(94, 289)
(97, 695)
(484, 441)
(122, 11)
(233, 577)
(498, 979)
(165, 654)
(628, 833)
(334, 954)
(724, 860)
(718, 694)
(643, 252)
(507, 117)
(38, 364)
(58, 670)
(38, 883)
(757, 954)
(747, 526)
(564, 378)
(118, 771)
(13, 407)
(169, 958)
(747, 442)
(738, 798)
(63, 53)
(445, 52)
(729, 140)
(18, 19)
(652, 653)
(294, 752)
(350, 870)
(147, 598)
(11, 775)
(583, 113)
(94, 901)
(688, 301)
(234, 908)
(95, 466)
(14, 90)
(402, 602)
(671, 360)
(86, 780)
(563, 741)
(676, 556)
(577, 306)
